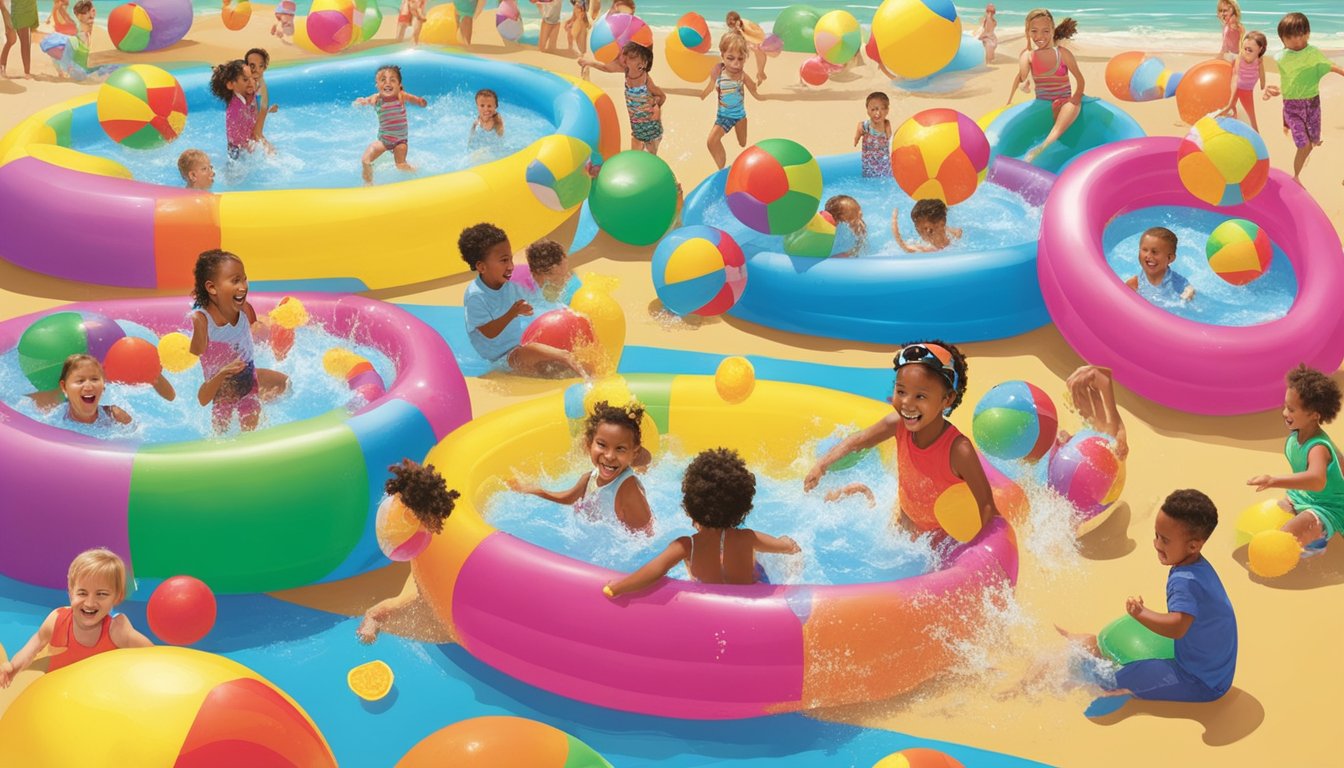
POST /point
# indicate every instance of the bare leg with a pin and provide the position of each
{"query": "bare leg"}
(399, 156)
(1299, 159)
(386, 609)
(715, 145)
(741, 130)
(401, 33)
(10, 37)
(544, 361)
(760, 65)
(372, 153)
(271, 384)
(26, 51)
(1305, 528)
(1089, 642)
(464, 26)
(652, 146)
(1068, 112)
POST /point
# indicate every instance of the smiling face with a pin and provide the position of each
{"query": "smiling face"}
(497, 266)
(1041, 31)
(86, 18)
(1155, 256)
(920, 396)
(83, 387)
(228, 290)
(612, 449)
(92, 598)
(1298, 417)
(388, 82)
(1173, 541)
(486, 107)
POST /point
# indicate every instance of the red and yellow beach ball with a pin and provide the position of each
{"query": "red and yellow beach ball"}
(939, 154)
(1223, 161)
(142, 107)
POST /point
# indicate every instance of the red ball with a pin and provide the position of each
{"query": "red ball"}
(182, 610)
(560, 328)
(815, 71)
(132, 361)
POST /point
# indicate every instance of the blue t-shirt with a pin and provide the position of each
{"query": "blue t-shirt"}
(1209, 649)
(483, 304)
(1168, 291)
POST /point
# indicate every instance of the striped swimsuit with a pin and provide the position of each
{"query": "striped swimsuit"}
(391, 121)
(1052, 83)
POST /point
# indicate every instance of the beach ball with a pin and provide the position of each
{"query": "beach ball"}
(331, 24)
(141, 107)
(236, 16)
(289, 313)
(132, 361)
(594, 301)
(175, 352)
(848, 461)
(339, 361)
(693, 32)
(774, 186)
(735, 379)
(699, 270)
(1273, 553)
(367, 18)
(794, 26)
(497, 740)
(370, 681)
(557, 176)
(634, 197)
(560, 328)
(611, 33)
(1086, 472)
(1262, 516)
(1239, 251)
(181, 610)
(49, 340)
(816, 240)
(509, 20)
(916, 38)
(837, 37)
(918, 757)
(957, 513)
(1136, 76)
(365, 381)
(1203, 89)
(157, 707)
(816, 71)
(440, 27)
(1223, 161)
(1125, 641)
(128, 26)
(687, 64)
(400, 535)
(940, 154)
(1015, 421)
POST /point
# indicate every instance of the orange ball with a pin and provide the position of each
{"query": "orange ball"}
(501, 740)
(132, 361)
(918, 757)
(1204, 89)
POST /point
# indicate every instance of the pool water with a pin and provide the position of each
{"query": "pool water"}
(845, 542)
(1216, 301)
(312, 392)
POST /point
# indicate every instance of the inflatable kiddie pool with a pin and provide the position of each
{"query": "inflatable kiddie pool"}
(1171, 360)
(542, 617)
(1012, 131)
(956, 295)
(281, 507)
(141, 235)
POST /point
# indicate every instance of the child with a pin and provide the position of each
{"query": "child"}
(1091, 391)
(465, 10)
(82, 382)
(411, 14)
(1200, 617)
(1248, 70)
(852, 239)
(931, 454)
(390, 104)
(234, 84)
(221, 335)
(22, 19)
(754, 35)
(1229, 12)
(716, 493)
(930, 220)
(1050, 66)
(576, 29)
(97, 580)
(284, 19)
(1301, 68)
(611, 490)
(258, 61)
(875, 133)
(1316, 487)
(494, 305)
(986, 32)
(550, 23)
(549, 265)
(196, 170)
(643, 99)
(59, 18)
(1157, 250)
(488, 119)
(729, 79)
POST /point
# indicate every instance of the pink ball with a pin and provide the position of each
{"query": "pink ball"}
(182, 610)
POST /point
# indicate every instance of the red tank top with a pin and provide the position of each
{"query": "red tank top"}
(923, 474)
(63, 636)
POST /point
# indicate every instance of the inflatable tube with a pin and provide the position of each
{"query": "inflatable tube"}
(972, 296)
(542, 618)
(1015, 130)
(1168, 359)
(171, 21)
(140, 235)
(278, 508)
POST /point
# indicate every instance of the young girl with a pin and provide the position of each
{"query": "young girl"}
(1316, 487)
(754, 35)
(1229, 12)
(1050, 66)
(643, 99)
(20, 22)
(931, 454)
(284, 19)
(221, 334)
(550, 23)
(82, 382)
(234, 84)
(985, 33)
(258, 61)
(875, 133)
(1249, 69)
(390, 103)
(611, 489)
(97, 581)
(576, 29)
(488, 120)
(60, 19)
(411, 14)
(716, 493)
(729, 79)
(851, 239)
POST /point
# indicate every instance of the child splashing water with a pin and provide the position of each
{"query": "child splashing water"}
(232, 82)
(730, 80)
(390, 103)
(852, 238)
(1050, 66)
(930, 219)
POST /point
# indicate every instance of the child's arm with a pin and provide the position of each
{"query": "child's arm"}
(30, 649)
(164, 388)
(365, 101)
(1232, 88)
(1261, 63)
(559, 497)
(1092, 390)
(206, 394)
(896, 234)
(858, 134)
(259, 327)
(124, 635)
(495, 327)
(596, 8)
(632, 507)
(1188, 293)
(499, 124)
(867, 438)
(1173, 625)
(118, 415)
(1023, 72)
(653, 570)
(412, 98)
(658, 94)
(614, 65)
(1133, 283)
(966, 465)
(780, 545)
(1313, 479)
(712, 82)
(751, 86)
(1072, 64)
(200, 336)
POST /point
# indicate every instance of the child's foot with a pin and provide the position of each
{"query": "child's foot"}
(1315, 548)
(1032, 154)
(368, 630)
(406, 167)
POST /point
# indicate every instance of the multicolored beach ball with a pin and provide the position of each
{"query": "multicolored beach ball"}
(815, 241)
(1239, 251)
(556, 175)
(400, 534)
(917, 37)
(837, 37)
(774, 186)
(331, 24)
(128, 26)
(1223, 161)
(699, 270)
(142, 107)
(509, 20)
(611, 33)
(1015, 421)
(1086, 471)
(367, 18)
(693, 32)
(940, 154)
(46, 344)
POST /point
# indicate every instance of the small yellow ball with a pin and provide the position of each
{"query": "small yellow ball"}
(289, 313)
(338, 361)
(1265, 515)
(957, 512)
(735, 379)
(1273, 553)
(614, 390)
(175, 352)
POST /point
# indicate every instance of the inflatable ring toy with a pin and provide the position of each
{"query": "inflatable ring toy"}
(541, 617)
(1181, 363)
(1013, 131)
(889, 300)
(142, 235)
(278, 508)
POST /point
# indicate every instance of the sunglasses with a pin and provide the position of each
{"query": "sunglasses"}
(930, 355)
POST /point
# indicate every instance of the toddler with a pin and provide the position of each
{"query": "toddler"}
(97, 581)
(284, 19)
(716, 492)
(643, 99)
(986, 32)
(730, 80)
(390, 103)
(1248, 70)
(930, 220)
(234, 84)
(549, 265)
(411, 14)
(196, 170)
(1301, 69)
(1229, 12)
(1159, 282)
(851, 239)
(875, 133)
(1050, 66)
(488, 120)
(754, 36)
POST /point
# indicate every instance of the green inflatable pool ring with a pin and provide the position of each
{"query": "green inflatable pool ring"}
(1125, 640)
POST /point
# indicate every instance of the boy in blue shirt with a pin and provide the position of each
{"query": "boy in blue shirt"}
(1157, 249)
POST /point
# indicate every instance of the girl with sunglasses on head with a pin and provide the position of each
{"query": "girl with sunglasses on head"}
(931, 454)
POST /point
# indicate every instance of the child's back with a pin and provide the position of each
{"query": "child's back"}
(725, 556)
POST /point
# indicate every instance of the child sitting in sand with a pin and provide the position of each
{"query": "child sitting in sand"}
(643, 99)
(1248, 70)
(393, 134)
(717, 492)
(1049, 66)
(549, 265)
(196, 170)
(852, 238)
(930, 220)
(97, 581)
(1159, 282)
(1301, 69)
(875, 133)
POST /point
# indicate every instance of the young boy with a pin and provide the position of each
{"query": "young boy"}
(1159, 282)
(494, 305)
(1301, 68)
(411, 14)
(930, 220)
(549, 264)
(196, 170)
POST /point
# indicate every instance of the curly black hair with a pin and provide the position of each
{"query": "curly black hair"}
(1317, 391)
(544, 254)
(422, 490)
(207, 266)
(717, 489)
(959, 364)
(223, 75)
(604, 413)
(477, 240)
(393, 68)
(1194, 510)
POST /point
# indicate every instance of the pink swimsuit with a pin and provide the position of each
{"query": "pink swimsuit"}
(1052, 82)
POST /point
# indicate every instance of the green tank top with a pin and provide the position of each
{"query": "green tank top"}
(1330, 500)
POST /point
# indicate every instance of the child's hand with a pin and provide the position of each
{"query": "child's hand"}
(656, 112)
(1134, 606)
(1261, 482)
(793, 545)
(6, 674)
(518, 486)
(274, 108)
(521, 307)
(813, 477)
(1270, 92)
(232, 369)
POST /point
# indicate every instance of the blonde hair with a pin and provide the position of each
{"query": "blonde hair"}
(1234, 6)
(188, 160)
(100, 563)
(1062, 31)
(732, 42)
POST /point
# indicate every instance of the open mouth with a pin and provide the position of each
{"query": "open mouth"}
(89, 399)
(911, 418)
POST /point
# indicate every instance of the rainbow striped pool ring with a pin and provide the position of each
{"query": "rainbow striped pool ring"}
(278, 508)
(542, 618)
(140, 235)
